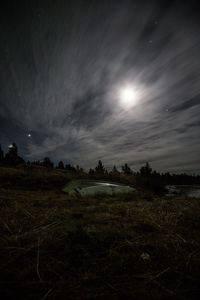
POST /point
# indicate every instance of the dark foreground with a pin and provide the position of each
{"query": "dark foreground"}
(53, 246)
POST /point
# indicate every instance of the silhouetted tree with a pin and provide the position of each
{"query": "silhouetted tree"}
(127, 170)
(68, 167)
(79, 169)
(1, 156)
(11, 157)
(91, 172)
(37, 163)
(13, 150)
(47, 163)
(100, 168)
(114, 171)
(146, 170)
(61, 165)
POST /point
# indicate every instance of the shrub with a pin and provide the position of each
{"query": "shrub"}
(151, 184)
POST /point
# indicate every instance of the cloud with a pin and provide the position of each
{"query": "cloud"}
(62, 65)
(189, 103)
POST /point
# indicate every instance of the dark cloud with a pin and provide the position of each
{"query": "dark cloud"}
(189, 103)
(62, 64)
(90, 110)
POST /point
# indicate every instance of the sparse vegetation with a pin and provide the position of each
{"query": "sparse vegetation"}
(55, 246)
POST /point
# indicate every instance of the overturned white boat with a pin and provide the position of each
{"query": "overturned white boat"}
(89, 187)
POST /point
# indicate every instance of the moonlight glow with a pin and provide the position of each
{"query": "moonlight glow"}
(128, 96)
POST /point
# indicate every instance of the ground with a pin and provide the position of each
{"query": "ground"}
(56, 246)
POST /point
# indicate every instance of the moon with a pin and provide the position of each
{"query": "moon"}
(128, 96)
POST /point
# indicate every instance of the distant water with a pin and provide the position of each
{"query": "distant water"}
(184, 190)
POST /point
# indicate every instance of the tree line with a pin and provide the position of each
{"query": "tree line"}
(12, 159)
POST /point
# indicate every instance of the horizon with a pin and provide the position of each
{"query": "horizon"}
(108, 168)
(119, 82)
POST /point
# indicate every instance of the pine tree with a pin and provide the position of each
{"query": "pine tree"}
(114, 170)
(91, 172)
(61, 165)
(100, 168)
(127, 170)
(12, 158)
(47, 163)
(146, 170)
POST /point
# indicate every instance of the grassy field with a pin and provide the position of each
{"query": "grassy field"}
(56, 246)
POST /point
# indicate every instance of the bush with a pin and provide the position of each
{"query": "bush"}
(151, 184)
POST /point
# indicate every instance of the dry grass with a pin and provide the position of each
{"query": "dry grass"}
(53, 246)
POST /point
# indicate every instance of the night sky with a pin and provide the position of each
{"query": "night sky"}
(64, 66)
